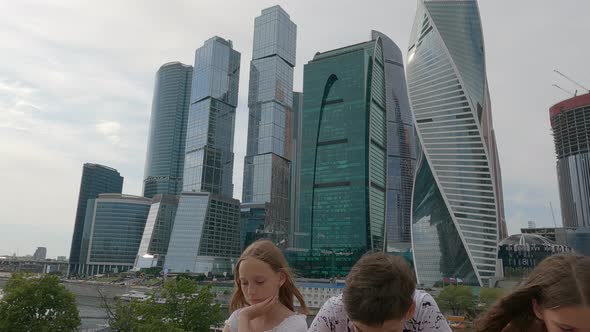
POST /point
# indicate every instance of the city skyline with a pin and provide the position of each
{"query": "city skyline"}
(70, 96)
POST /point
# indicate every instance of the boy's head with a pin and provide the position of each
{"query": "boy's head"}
(379, 293)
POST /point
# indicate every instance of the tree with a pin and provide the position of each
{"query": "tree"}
(458, 299)
(186, 308)
(38, 304)
(488, 296)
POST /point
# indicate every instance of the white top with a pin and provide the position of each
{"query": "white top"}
(293, 323)
(427, 317)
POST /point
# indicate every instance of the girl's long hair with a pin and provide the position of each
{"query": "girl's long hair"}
(267, 252)
(558, 281)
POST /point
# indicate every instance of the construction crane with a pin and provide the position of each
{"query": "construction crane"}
(564, 90)
(569, 79)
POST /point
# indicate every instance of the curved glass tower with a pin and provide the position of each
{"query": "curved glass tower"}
(457, 203)
(343, 174)
(164, 162)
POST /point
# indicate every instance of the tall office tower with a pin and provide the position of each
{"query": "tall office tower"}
(156, 235)
(113, 228)
(270, 98)
(343, 174)
(570, 122)
(205, 236)
(401, 149)
(96, 179)
(457, 202)
(164, 162)
(295, 162)
(209, 160)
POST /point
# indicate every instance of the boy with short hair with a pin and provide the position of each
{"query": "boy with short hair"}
(380, 296)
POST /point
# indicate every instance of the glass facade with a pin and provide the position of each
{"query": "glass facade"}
(206, 235)
(295, 162)
(448, 90)
(113, 230)
(270, 97)
(164, 162)
(156, 235)
(401, 149)
(343, 160)
(570, 122)
(209, 158)
(96, 179)
(252, 221)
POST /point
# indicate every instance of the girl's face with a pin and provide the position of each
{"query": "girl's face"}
(566, 319)
(258, 280)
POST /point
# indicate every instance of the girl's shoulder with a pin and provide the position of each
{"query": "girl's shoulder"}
(294, 323)
(232, 321)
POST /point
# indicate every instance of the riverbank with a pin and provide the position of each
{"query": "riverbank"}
(89, 300)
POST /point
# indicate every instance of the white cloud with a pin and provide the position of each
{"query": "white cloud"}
(110, 129)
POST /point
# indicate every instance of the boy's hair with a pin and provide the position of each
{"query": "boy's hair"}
(379, 287)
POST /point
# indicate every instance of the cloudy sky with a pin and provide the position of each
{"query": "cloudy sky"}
(76, 81)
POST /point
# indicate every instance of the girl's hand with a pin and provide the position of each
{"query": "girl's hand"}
(258, 309)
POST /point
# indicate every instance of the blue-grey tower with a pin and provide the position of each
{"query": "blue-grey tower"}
(206, 237)
(270, 101)
(96, 179)
(164, 162)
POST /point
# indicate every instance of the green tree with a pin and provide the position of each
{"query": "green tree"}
(187, 308)
(488, 296)
(458, 299)
(37, 304)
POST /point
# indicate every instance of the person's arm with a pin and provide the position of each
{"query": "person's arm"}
(429, 316)
(249, 313)
(324, 321)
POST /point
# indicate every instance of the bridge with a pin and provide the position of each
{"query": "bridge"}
(32, 266)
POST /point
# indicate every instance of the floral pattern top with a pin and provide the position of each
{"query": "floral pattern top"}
(333, 318)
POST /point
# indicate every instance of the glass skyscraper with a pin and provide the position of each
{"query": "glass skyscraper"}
(209, 160)
(205, 236)
(343, 174)
(113, 228)
(570, 122)
(156, 235)
(457, 202)
(401, 149)
(96, 179)
(164, 162)
(270, 97)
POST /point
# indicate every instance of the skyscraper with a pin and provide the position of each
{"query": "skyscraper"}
(209, 160)
(457, 202)
(570, 122)
(113, 228)
(205, 236)
(343, 160)
(164, 162)
(96, 179)
(270, 98)
(401, 149)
